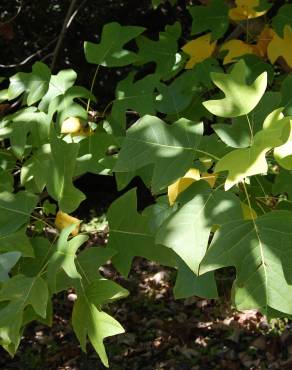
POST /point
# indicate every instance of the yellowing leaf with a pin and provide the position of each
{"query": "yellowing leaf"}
(248, 213)
(210, 178)
(245, 9)
(237, 48)
(281, 47)
(181, 184)
(84, 131)
(264, 38)
(71, 125)
(199, 49)
(64, 220)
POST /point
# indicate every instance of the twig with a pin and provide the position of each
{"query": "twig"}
(67, 22)
(15, 15)
(37, 53)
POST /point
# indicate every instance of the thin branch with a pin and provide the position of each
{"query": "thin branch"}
(67, 22)
(15, 15)
(26, 60)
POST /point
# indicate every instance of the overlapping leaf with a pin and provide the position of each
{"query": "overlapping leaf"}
(171, 148)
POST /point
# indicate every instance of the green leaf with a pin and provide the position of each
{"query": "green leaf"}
(211, 17)
(88, 321)
(16, 241)
(240, 98)
(137, 96)
(59, 84)
(93, 156)
(260, 251)
(189, 284)
(130, 234)
(283, 183)
(240, 133)
(162, 52)
(20, 291)
(110, 51)
(35, 84)
(64, 257)
(282, 18)
(49, 208)
(171, 148)
(6, 181)
(59, 181)
(286, 95)
(15, 210)
(7, 261)
(187, 230)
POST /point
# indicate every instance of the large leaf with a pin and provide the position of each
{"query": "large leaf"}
(260, 250)
(110, 51)
(187, 230)
(240, 98)
(212, 17)
(171, 148)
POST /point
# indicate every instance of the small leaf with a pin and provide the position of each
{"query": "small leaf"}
(246, 9)
(280, 47)
(240, 98)
(236, 49)
(199, 49)
(181, 184)
(7, 261)
(110, 51)
(64, 220)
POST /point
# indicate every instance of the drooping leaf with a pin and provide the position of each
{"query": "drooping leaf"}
(64, 256)
(171, 148)
(199, 49)
(59, 181)
(110, 51)
(64, 220)
(251, 247)
(211, 17)
(7, 261)
(280, 47)
(240, 98)
(95, 324)
(187, 231)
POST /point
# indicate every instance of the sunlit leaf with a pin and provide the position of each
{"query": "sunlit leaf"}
(280, 47)
(199, 49)
(246, 9)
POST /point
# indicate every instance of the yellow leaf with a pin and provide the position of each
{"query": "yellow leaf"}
(248, 213)
(71, 125)
(245, 9)
(63, 220)
(264, 38)
(281, 47)
(84, 131)
(210, 178)
(181, 184)
(237, 48)
(199, 50)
